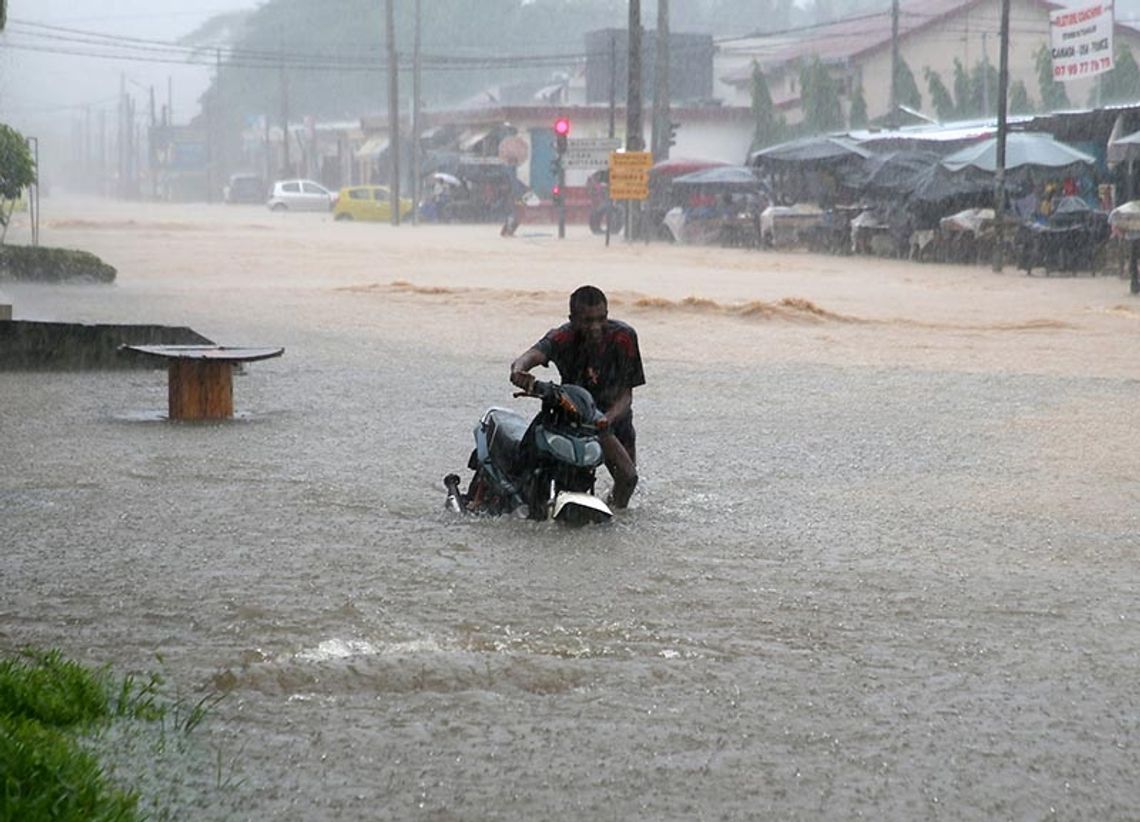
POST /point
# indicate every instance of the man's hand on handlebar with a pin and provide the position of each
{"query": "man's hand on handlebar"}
(523, 380)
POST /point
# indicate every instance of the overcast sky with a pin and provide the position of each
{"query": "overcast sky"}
(38, 86)
(42, 87)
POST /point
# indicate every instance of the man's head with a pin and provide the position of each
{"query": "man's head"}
(588, 312)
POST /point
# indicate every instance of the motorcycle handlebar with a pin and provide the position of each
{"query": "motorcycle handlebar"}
(538, 389)
(551, 391)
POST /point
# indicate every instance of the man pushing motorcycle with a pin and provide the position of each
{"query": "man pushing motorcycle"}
(602, 356)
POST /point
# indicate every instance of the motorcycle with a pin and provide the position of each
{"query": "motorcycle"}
(541, 469)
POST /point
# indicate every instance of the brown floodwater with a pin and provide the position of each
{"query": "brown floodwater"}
(882, 562)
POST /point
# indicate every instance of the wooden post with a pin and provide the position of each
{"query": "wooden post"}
(200, 378)
(201, 390)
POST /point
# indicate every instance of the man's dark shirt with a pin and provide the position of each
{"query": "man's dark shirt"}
(603, 370)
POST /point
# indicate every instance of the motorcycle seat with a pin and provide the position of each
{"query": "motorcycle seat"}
(505, 431)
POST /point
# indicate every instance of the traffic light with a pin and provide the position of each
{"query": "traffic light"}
(673, 133)
(561, 134)
(556, 194)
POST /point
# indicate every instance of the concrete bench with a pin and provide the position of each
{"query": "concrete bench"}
(201, 376)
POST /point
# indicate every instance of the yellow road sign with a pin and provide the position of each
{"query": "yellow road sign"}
(629, 175)
(631, 159)
(629, 187)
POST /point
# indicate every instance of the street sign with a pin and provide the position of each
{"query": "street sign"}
(590, 152)
(629, 175)
(631, 159)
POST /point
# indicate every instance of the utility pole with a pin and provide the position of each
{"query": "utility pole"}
(393, 113)
(219, 121)
(104, 190)
(416, 119)
(661, 130)
(1002, 129)
(152, 154)
(985, 75)
(634, 135)
(893, 118)
(121, 141)
(286, 169)
(613, 79)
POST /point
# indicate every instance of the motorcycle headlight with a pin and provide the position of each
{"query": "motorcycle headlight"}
(592, 453)
(561, 447)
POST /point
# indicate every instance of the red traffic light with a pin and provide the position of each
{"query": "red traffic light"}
(562, 126)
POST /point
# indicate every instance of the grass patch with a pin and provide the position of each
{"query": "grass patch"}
(51, 710)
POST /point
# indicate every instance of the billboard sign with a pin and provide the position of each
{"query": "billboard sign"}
(1081, 41)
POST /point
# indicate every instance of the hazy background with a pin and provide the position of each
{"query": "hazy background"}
(51, 78)
(38, 88)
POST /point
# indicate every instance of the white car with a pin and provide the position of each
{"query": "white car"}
(300, 195)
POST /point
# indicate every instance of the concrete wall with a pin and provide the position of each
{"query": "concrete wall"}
(43, 346)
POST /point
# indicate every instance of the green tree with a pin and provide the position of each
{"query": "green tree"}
(857, 117)
(769, 126)
(908, 92)
(983, 89)
(1122, 84)
(17, 172)
(1019, 102)
(939, 95)
(820, 96)
(1053, 95)
(961, 89)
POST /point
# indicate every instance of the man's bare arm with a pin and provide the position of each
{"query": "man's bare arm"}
(520, 368)
(620, 406)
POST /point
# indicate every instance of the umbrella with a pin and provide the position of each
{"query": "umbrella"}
(676, 166)
(1126, 218)
(444, 177)
(1125, 148)
(722, 177)
(893, 172)
(1072, 205)
(1023, 148)
(810, 150)
(936, 185)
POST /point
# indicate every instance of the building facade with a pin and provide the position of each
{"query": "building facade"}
(932, 35)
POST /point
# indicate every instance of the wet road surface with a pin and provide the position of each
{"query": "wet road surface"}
(896, 588)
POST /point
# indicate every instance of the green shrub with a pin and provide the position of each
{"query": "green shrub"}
(52, 265)
(45, 687)
(45, 775)
(54, 712)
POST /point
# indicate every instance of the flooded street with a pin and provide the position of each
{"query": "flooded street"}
(881, 564)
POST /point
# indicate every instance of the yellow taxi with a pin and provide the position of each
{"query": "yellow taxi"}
(368, 203)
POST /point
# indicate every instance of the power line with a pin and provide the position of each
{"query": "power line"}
(367, 58)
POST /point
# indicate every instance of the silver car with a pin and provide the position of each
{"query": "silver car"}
(300, 195)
